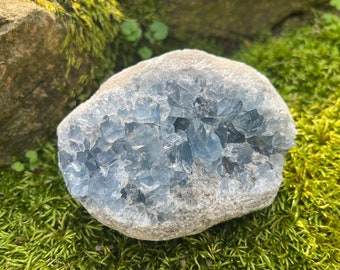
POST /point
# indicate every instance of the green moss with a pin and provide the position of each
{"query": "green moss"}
(42, 227)
(304, 68)
(94, 46)
(92, 27)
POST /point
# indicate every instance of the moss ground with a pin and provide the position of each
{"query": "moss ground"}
(42, 227)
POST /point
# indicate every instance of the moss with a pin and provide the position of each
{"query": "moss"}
(91, 28)
(304, 68)
(42, 227)
(94, 46)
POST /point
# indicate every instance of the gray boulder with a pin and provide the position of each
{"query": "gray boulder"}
(32, 71)
(176, 144)
(233, 20)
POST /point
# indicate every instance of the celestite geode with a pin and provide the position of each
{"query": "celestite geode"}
(176, 144)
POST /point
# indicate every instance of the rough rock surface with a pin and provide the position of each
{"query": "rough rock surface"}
(31, 66)
(230, 19)
(176, 144)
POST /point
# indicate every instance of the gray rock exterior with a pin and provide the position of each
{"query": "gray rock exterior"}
(176, 144)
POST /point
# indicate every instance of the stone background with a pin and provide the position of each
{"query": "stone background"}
(31, 66)
(233, 19)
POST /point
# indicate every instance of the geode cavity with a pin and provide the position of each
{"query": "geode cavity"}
(176, 144)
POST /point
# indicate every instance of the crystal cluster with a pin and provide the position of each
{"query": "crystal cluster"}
(175, 145)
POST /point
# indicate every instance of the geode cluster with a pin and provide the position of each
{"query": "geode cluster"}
(176, 144)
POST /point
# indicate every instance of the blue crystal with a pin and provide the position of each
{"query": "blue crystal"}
(147, 185)
(180, 179)
(76, 134)
(184, 155)
(159, 153)
(205, 107)
(132, 194)
(229, 165)
(111, 129)
(64, 158)
(179, 110)
(101, 185)
(77, 177)
(229, 108)
(206, 146)
(262, 144)
(228, 134)
(240, 153)
(147, 111)
(250, 123)
(91, 163)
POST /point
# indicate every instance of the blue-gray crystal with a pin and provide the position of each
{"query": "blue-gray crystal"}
(204, 145)
(176, 144)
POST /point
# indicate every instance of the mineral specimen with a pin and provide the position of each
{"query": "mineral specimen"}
(176, 144)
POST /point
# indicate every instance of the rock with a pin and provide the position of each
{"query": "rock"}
(31, 66)
(176, 144)
(229, 19)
